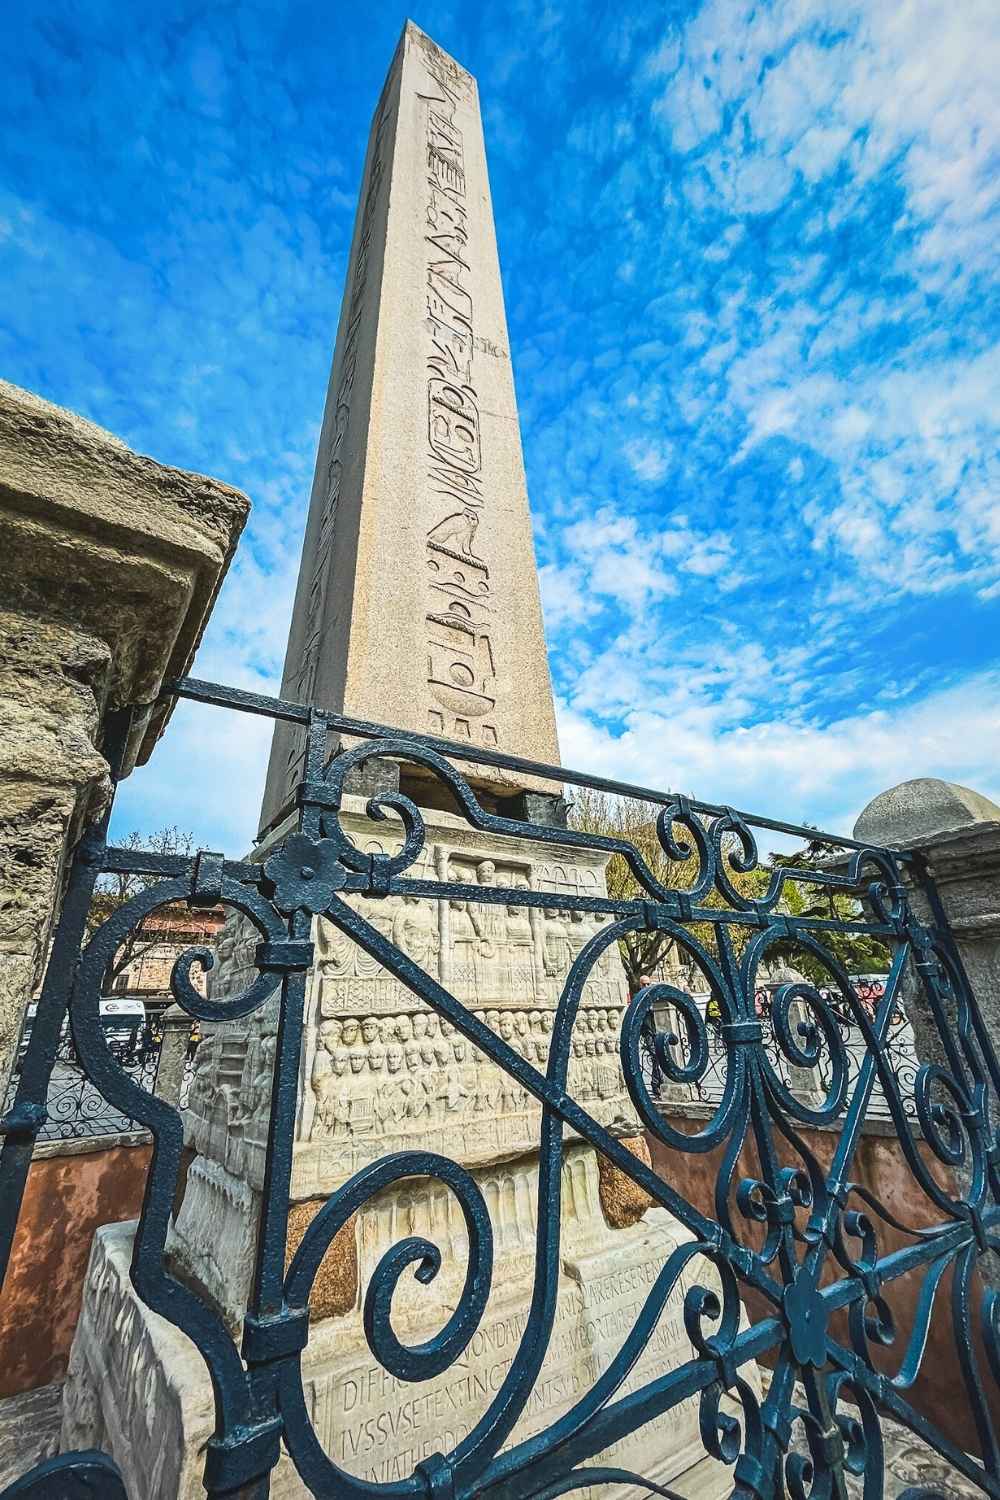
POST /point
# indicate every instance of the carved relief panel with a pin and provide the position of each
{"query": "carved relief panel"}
(383, 1071)
(389, 1083)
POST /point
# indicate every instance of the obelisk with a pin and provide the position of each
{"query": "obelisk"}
(417, 602)
(417, 606)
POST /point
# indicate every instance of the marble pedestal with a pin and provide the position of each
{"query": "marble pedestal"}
(138, 1388)
(380, 1073)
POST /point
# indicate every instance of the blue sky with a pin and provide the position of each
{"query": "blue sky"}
(750, 268)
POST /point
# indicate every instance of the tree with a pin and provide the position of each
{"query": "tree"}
(634, 822)
(115, 889)
(858, 953)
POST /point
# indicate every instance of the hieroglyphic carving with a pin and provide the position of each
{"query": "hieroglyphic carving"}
(461, 672)
(303, 683)
(487, 346)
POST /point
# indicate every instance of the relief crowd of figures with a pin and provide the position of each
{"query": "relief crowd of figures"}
(381, 1082)
(381, 1070)
(417, 1068)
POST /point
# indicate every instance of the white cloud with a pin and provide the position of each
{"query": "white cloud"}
(648, 460)
(607, 528)
(613, 558)
(770, 99)
(630, 577)
(790, 768)
(815, 83)
(563, 595)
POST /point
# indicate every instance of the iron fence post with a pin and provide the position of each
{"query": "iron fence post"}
(20, 1126)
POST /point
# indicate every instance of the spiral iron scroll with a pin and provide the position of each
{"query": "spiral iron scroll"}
(776, 1236)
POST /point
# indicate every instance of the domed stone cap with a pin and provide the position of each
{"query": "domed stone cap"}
(915, 812)
(783, 973)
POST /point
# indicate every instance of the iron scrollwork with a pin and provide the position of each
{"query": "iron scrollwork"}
(794, 1239)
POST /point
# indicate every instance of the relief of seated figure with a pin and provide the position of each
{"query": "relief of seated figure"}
(415, 933)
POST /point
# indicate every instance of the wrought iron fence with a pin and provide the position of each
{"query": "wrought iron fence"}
(75, 1108)
(804, 1083)
(798, 1235)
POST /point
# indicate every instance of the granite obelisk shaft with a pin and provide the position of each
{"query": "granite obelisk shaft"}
(417, 602)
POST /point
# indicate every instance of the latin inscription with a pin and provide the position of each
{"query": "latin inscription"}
(379, 1427)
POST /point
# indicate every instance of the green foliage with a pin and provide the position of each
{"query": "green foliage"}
(858, 953)
(635, 823)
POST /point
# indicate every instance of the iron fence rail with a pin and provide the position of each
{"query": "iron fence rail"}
(798, 1236)
(194, 689)
(709, 1086)
(76, 1110)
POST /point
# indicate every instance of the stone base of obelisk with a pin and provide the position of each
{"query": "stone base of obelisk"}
(138, 1389)
(382, 1073)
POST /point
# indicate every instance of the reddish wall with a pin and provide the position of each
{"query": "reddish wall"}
(881, 1167)
(68, 1197)
(65, 1200)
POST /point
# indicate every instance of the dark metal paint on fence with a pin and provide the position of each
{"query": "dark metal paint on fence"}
(778, 1233)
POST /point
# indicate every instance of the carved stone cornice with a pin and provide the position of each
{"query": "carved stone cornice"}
(114, 544)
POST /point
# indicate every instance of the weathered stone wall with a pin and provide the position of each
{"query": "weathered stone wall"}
(113, 542)
(372, 1424)
(111, 563)
(52, 683)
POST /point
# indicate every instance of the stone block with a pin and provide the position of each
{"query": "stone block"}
(137, 1387)
(624, 1202)
(380, 1071)
(335, 1289)
(125, 549)
(921, 812)
(111, 564)
(537, 807)
(372, 778)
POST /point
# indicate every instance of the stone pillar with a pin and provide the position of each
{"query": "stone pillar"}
(419, 504)
(53, 778)
(173, 1054)
(111, 563)
(957, 833)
